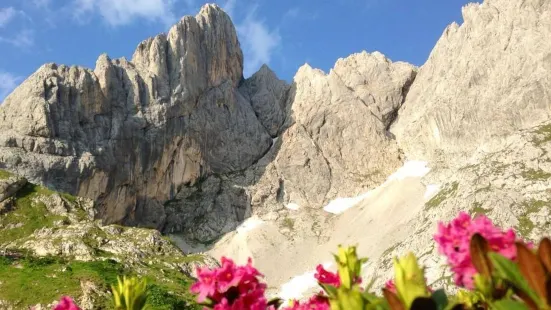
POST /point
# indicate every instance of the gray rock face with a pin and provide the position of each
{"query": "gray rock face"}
(484, 79)
(10, 186)
(131, 134)
(336, 144)
(345, 115)
(267, 95)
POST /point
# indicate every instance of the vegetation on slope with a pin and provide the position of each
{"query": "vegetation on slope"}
(28, 279)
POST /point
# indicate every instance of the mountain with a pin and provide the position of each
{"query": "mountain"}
(178, 141)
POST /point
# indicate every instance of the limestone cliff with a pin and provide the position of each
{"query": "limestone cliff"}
(130, 134)
(333, 142)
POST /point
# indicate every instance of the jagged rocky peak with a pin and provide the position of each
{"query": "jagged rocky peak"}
(268, 96)
(197, 53)
(484, 80)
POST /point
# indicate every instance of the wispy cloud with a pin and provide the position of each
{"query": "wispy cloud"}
(22, 39)
(257, 39)
(189, 3)
(18, 34)
(8, 82)
(42, 3)
(6, 15)
(229, 7)
(123, 12)
(291, 13)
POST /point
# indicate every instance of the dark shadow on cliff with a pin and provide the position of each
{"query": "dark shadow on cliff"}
(218, 203)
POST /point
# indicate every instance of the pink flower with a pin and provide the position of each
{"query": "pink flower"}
(206, 284)
(454, 238)
(231, 287)
(228, 275)
(66, 303)
(317, 302)
(391, 286)
(326, 277)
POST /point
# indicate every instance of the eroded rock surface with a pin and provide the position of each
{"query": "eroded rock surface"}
(484, 80)
(511, 185)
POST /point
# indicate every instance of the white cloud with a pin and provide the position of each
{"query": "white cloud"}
(6, 15)
(257, 40)
(123, 12)
(8, 82)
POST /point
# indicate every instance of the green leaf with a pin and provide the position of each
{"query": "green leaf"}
(382, 304)
(372, 298)
(508, 304)
(509, 271)
(329, 289)
(440, 298)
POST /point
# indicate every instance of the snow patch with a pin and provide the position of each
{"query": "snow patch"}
(339, 205)
(413, 168)
(249, 224)
(432, 189)
(299, 285)
(292, 206)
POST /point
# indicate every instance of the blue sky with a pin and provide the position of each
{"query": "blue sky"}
(285, 34)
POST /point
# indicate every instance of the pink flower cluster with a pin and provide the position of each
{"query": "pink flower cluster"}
(231, 287)
(66, 303)
(454, 238)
